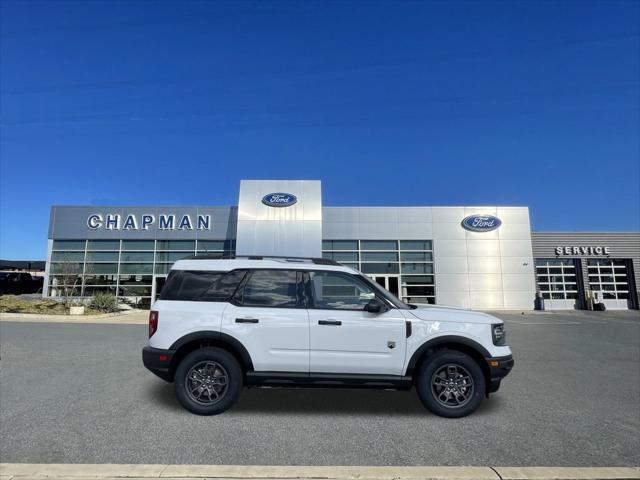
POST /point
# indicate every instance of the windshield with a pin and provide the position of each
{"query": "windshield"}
(386, 294)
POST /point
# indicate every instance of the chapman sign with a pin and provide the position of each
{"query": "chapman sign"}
(144, 222)
(589, 250)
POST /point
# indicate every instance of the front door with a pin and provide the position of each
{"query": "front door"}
(268, 317)
(344, 338)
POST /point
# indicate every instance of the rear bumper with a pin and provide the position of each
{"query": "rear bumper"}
(499, 367)
(159, 362)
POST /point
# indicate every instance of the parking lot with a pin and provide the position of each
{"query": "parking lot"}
(79, 393)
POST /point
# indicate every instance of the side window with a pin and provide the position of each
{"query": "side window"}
(201, 286)
(271, 288)
(335, 291)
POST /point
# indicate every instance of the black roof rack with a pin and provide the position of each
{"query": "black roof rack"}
(314, 260)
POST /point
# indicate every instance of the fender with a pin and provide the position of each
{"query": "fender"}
(219, 336)
(434, 342)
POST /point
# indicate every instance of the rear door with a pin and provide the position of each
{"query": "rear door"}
(344, 337)
(268, 317)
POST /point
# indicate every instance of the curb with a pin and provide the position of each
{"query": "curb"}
(107, 318)
(25, 471)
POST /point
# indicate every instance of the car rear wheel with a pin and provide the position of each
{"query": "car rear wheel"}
(208, 381)
(451, 384)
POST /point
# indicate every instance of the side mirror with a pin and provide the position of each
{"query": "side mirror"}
(375, 306)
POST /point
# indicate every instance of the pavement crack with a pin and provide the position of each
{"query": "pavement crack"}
(496, 472)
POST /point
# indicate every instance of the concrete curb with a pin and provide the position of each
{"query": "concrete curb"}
(24, 471)
(132, 317)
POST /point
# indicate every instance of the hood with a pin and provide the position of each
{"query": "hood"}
(432, 313)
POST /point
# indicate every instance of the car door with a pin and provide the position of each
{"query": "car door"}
(344, 338)
(268, 316)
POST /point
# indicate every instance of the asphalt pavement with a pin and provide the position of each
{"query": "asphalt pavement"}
(73, 393)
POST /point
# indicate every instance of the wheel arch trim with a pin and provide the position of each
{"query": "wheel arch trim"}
(223, 338)
(442, 341)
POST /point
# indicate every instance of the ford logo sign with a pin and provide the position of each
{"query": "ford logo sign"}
(279, 199)
(481, 223)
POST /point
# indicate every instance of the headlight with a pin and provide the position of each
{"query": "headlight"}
(498, 334)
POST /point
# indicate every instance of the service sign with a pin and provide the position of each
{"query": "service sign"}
(583, 250)
(481, 223)
(279, 199)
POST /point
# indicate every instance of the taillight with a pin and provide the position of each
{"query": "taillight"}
(153, 322)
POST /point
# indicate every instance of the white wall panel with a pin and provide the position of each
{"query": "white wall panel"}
(518, 300)
(414, 214)
(483, 248)
(516, 248)
(487, 300)
(452, 282)
(454, 299)
(447, 214)
(513, 215)
(379, 231)
(448, 231)
(517, 282)
(485, 282)
(484, 264)
(450, 248)
(415, 231)
(522, 265)
(450, 265)
(514, 231)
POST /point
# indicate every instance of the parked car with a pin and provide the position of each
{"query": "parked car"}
(220, 325)
(18, 283)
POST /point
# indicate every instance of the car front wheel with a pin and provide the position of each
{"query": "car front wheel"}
(208, 381)
(450, 384)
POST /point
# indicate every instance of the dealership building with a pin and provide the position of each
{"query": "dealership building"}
(480, 257)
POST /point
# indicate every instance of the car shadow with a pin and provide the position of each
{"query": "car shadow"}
(317, 401)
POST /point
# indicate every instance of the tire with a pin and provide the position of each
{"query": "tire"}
(199, 385)
(459, 373)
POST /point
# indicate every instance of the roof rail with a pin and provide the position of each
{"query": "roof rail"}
(314, 260)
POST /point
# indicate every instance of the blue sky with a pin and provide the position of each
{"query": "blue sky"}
(388, 103)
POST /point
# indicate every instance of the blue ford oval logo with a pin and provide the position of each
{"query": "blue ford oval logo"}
(481, 223)
(279, 199)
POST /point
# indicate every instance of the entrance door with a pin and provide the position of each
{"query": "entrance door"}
(390, 283)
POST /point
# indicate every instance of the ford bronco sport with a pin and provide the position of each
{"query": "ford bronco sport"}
(220, 325)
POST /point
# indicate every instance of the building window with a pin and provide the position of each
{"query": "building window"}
(556, 278)
(124, 268)
(405, 267)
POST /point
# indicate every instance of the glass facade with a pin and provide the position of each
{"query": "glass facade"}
(125, 268)
(409, 260)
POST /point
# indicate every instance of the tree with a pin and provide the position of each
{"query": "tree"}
(67, 278)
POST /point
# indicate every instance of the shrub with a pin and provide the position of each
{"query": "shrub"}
(104, 302)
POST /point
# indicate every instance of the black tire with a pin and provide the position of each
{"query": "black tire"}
(204, 366)
(467, 382)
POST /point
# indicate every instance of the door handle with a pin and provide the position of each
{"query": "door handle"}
(247, 320)
(329, 322)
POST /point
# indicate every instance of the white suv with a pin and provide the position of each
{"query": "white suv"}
(292, 322)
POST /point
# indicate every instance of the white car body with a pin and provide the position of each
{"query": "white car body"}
(329, 345)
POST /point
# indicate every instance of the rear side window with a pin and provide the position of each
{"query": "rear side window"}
(201, 286)
(272, 288)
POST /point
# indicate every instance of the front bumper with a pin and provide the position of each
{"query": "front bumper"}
(499, 367)
(159, 362)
